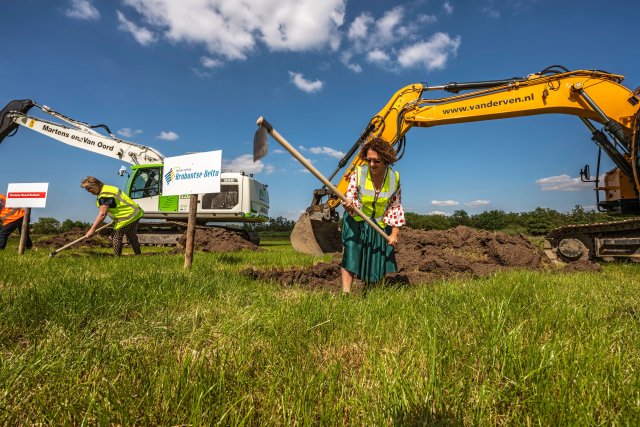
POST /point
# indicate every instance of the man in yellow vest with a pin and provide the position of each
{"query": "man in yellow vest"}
(11, 219)
(124, 212)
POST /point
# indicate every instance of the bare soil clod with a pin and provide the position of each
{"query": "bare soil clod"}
(425, 256)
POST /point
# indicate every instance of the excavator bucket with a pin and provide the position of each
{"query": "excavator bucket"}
(315, 237)
(7, 126)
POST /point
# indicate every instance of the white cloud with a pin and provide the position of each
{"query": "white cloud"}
(389, 23)
(129, 133)
(427, 19)
(328, 151)
(245, 163)
(208, 62)
(491, 12)
(168, 136)
(142, 35)
(562, 183)
(304, 84)
(378, 56)
(232, 29)
(438, 213)
(448, 8)
(359, 28)
(82, 9)
(345, 58)
(432, 54)
(444, 203)
(278, 151)
(477, 203)
(390, 42)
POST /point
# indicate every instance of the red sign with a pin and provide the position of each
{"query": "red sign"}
(30, 195)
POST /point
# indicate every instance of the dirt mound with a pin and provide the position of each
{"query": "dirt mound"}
(59, 240)
(424, 256)
(218, 240)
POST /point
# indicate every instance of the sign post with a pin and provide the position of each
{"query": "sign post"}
(192, 174)
(27, 196)
(24, 231)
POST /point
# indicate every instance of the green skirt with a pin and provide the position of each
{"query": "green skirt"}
(366, 253)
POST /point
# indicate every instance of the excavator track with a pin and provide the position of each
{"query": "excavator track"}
(167, 233)
(601, 241)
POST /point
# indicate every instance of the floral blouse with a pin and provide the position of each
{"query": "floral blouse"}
(394, 216)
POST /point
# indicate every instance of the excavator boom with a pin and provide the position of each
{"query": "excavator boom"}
(596, 97)
(77, 134)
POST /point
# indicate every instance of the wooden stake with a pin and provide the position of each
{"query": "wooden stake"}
(191, 231)
(24, 231)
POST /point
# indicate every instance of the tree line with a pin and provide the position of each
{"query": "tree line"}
(48, 225)
(537, 222)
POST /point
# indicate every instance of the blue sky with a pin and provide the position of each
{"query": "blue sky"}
(188, 76)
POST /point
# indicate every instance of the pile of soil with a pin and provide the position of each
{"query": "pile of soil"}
(59, 240)
(218, 240)
(425, 256)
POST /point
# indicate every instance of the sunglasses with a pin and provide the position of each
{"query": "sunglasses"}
(376, 161)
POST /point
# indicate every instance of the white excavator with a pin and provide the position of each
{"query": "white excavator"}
(242, 199)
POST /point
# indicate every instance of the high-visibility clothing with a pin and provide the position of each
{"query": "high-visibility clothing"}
(126, 210)
(374, 205)
(9, 215)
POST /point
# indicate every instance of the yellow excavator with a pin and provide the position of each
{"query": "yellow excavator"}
(608, 109)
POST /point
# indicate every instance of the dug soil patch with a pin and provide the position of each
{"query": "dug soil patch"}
(59, 240)
(218, 240)
(206, 240)
(425, 256)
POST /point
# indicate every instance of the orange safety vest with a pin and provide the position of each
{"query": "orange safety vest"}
(9, 215)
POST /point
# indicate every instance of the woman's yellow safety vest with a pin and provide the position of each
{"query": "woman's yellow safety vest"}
(126, 210)
(375, 205)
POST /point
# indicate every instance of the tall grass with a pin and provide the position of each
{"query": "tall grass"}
(137, 340)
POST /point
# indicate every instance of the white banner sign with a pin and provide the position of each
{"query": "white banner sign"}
(192, 173)
(27, 195)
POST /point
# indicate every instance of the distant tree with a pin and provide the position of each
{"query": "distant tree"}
(280, 224)
(490, 220)
(274, 224)
(542, 220)
(46, 225)
(68, 225)
(427, 222)
(460, 217)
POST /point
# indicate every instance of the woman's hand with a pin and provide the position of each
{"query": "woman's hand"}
(393, 237)
(348, 206)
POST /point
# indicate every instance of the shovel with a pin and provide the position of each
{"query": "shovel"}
(81, 239)
(260, 148)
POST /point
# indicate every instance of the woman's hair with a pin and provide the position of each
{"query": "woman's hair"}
(382, 147)
(91, 181)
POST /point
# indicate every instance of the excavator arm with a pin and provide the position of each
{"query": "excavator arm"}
(593, 96)
(75, 133)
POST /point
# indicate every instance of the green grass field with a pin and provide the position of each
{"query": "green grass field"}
(92, 339)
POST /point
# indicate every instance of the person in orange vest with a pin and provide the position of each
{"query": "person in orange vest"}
(11, 219)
